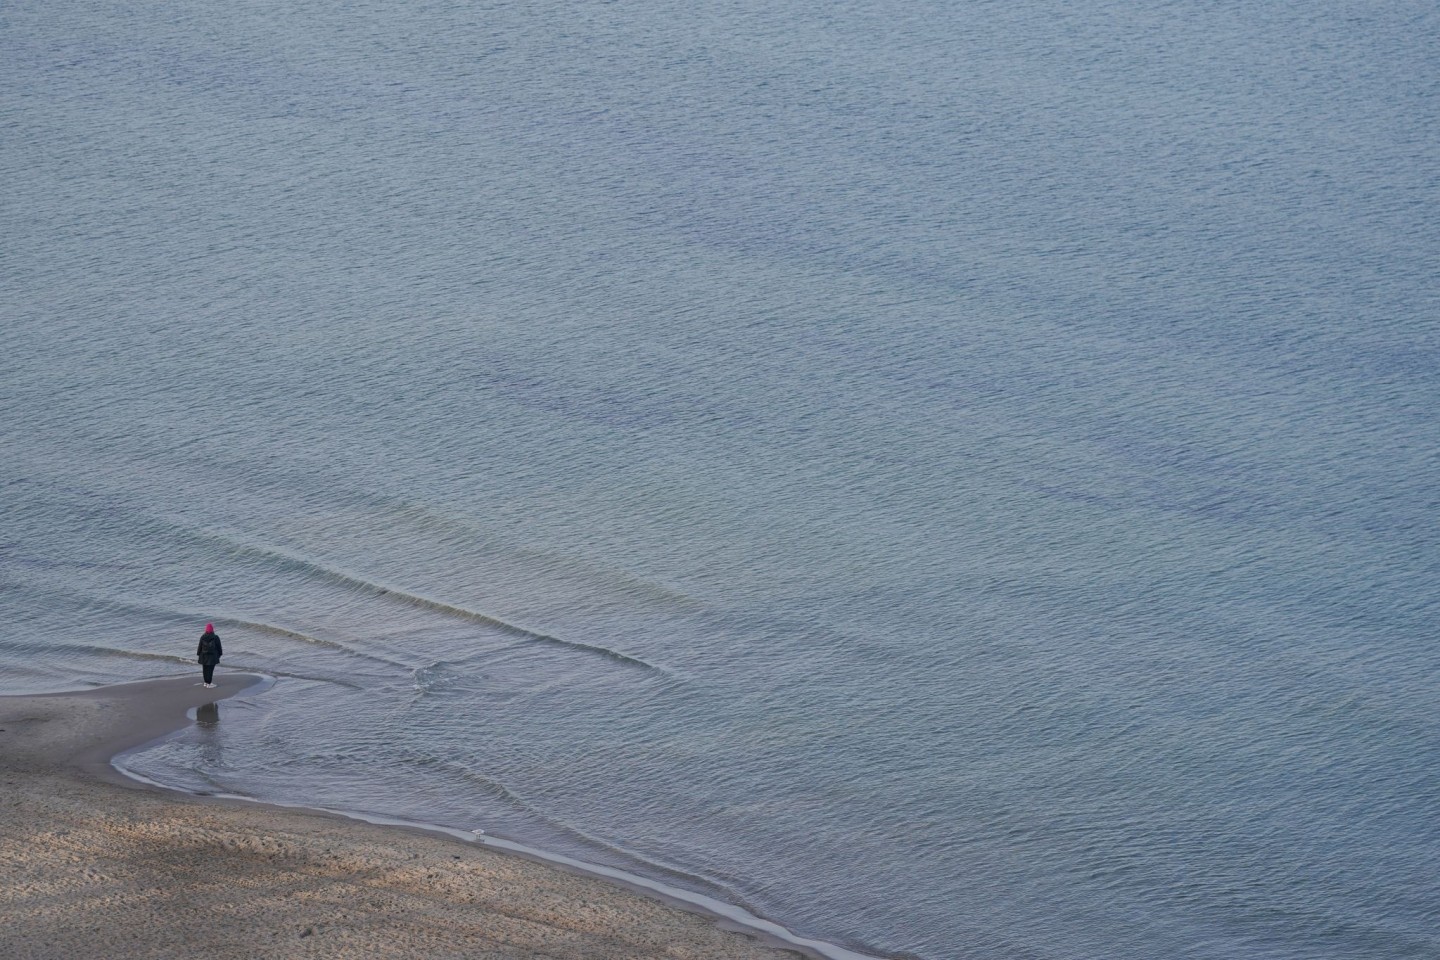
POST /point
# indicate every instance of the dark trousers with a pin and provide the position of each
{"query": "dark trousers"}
(209, 669)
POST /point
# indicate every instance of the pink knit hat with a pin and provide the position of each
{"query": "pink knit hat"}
(209, 628)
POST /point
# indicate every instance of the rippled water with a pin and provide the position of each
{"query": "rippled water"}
(957, 479)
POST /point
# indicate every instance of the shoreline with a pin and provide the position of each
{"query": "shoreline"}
(71, 744)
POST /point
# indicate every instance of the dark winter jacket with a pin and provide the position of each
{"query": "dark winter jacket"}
(209, 650)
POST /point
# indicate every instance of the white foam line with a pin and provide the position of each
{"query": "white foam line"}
(738, 916)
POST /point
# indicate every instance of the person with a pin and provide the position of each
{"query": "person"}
(209, 653)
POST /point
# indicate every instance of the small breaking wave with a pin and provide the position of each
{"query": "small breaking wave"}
(314, 568)
(436, 676)
(272, 629)
(99, 651)
(222, 620)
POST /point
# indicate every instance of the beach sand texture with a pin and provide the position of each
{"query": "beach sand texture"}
(98, 866)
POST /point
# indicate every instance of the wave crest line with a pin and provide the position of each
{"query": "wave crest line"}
(355, 582)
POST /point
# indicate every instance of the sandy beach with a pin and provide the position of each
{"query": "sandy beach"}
(97, 865)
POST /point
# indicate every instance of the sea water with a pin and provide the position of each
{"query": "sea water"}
(956, 479)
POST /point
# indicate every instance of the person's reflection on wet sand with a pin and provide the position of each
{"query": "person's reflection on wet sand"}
(207, 718)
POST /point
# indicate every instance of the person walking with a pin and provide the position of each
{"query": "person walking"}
(209, 652)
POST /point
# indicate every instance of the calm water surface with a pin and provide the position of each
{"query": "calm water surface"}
(956, 479)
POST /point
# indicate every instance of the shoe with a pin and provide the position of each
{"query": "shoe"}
(209, 684)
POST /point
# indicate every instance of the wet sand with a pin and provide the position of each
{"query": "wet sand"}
(97, 865)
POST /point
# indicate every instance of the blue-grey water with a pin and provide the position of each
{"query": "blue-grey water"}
(958, 479)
